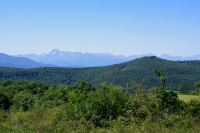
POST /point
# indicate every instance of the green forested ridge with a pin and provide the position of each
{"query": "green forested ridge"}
(139, 70)
(193, 62)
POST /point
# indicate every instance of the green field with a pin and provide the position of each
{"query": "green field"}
(187, 98)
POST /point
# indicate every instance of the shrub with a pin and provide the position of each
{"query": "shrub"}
(23, 100)
(106, 103)
(5, 102)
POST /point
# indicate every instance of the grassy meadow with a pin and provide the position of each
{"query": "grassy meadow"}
(187, 98)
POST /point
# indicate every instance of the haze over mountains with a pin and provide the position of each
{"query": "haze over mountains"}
(19, 62)
(78, 59)
(56, 58)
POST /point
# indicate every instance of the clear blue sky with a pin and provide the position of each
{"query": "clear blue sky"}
(124, 27)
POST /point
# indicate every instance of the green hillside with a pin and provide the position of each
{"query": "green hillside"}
(139, 70)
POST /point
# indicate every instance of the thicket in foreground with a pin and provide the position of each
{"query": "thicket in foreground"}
(39, 107)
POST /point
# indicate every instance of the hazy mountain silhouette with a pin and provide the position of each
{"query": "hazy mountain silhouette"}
(19, 62)
(78, 59)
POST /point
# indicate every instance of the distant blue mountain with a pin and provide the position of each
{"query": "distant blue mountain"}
(78, 59)
(19, 62)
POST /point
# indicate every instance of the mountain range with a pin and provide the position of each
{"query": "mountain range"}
(56, 58)
(78, 59)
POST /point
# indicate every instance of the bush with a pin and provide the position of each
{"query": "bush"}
(194, 108)
(37, 107)
(23, 100)
(106, 103)
(5, 102)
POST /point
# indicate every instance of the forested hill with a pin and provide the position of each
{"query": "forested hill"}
(19, 62)
(139, 70)
(197, 62)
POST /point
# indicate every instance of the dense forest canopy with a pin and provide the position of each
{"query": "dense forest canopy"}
(139, 70)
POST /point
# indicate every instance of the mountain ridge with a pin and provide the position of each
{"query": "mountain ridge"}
(140, 70)
(19, 62)
(79, 59)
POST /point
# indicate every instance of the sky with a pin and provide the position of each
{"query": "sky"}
(125, 27)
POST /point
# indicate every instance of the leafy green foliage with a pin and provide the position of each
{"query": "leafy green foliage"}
(194, 108)
(169, 101)
(38, 107)
(107, 102)
(197, 84)
(159, 73)
(4, 101)
(183, 88)
(23, 100)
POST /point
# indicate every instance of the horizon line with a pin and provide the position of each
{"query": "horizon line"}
(106, 53)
